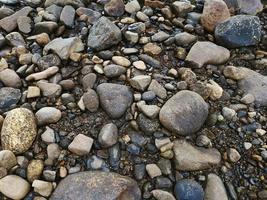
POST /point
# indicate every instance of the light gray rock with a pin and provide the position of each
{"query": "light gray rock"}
(47, 115)
(10, 78)
(81, 145)
(140, 82)
(215, 188)
(108, 135)
(191, 158)
(7, 159)
(67, 16)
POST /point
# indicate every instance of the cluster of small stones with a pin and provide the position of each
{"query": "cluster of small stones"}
(131, 100)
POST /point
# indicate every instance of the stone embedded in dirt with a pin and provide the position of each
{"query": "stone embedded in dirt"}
(47, 115)
(214, 12)
(188, 189)
(82, 186)
(103, 34)
(114, 98)
(15, 39)
(45, 27)
(108, 135)
(251, 7)
(113, 71)
(9, 97)
(162, 195)
(7, 159)
(203, 53)
(14, 187)
(250, 82)
(184, 113)
(75, 3)
(184, 39)
(114, 8)
(191, 158)
(239, 31)
(10, 78)
(63, 47)
(92, 15)
(91, 100)
(140, 82)
(10, 23)
(81, 145)
(19, 130)
(215, 188)
(67, 16)
(233, 155)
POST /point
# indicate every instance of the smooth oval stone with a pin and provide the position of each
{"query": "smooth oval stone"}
(96, 185)
(19, 130)
(47, 115)
(215, 188)
(184, 113)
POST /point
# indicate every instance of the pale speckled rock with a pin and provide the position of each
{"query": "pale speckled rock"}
(89, 186)
(14, 187)
(184, 113)
(191, 158)
(215, 188)
(34, 170)
(19, 130)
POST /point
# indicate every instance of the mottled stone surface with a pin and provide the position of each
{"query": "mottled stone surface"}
(96, 185)
(19, 130)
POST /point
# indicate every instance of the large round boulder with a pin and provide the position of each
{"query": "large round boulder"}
(184, 113)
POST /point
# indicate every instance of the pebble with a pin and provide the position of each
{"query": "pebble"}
(14, 187)
(119, 60)
(81, 145)
(233, 155)
(215, 188)
(228, 113)
(162, 195)
(140, 82)
(33, 92)
(113, 71)
(43, 74)
(15, 39)
(48, 135)
(9, 97)
(42, 38)
(24, 24)
(132, 6)
(19, 130)
(91, 100)
(182, 8)
(158, 89)
(153, 170)
(47, 115)
(108, 135)
(184, 39)
(34, 170)
(7, 159)
(10, 78)
(53, 151)
(43, 188)
(114, 8)
(188, 189)
(67, 16)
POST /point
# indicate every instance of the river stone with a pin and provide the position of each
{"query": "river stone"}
(103, 34)
(47, 115)
(14, 187)
(215, 188)
(191, 158)
(114, 8)
(187, 189)
(10, 78)
(34, 170)
(184, 113)
(109, 186)
(19, 130)
(74, 3)
(207, 53)
(251, 7)
(239, 31)
(9, 97)
(162, 195)
(114, 98)
(7, 159)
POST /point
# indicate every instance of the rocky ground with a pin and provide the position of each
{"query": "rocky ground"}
(132, 100)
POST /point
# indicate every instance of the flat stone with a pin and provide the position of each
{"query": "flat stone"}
(49, 89)
(10, 78)
(114, 98)
(203, 53)
(47, 115)
(108, 135)
(104, 34)
(191, 158)
(158, 89)
(10, 23)
(67, 16)
(113, 71)
(153, 170)
(42, 75)
(18, 131)
(9, 97)
(88, 81)
(81, 145)
(188, 189)
(152, 49)
(140, 82)
(82, 186)
(184, 113)
(24, 24)
(215, 188)
(92, 16)
(63, 47)
(14, 187)
(15, 39)
(182, 8)
(91, 100)
(184, 39)
(214, 12)
(239, 31)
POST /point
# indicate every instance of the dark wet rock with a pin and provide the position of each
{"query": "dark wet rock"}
(113, 71)
(10, 23)
(150, 61)
(45, 27)
(188, 189)
(184, 113)
(91, 184)
(191, 158)
(114, 98)
(47, 61)
(103, 34)
(19, 130)
(9, 97)
(148, 126)
(239, 31)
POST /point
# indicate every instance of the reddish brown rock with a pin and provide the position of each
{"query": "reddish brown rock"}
(215, 11)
